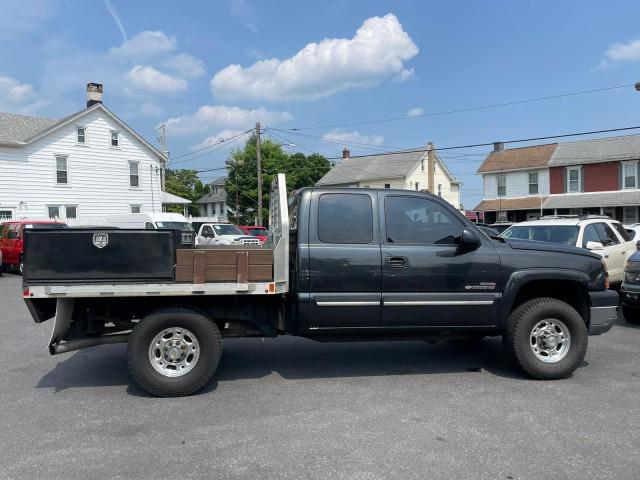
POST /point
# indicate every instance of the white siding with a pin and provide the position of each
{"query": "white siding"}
(98, 173)
(517, 184)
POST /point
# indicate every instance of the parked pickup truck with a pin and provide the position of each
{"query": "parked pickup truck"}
(347, 264)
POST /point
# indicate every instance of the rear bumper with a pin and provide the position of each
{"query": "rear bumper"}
(604, 311)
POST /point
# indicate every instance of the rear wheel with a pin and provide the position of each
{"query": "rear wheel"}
(174, 352)
(546, 337)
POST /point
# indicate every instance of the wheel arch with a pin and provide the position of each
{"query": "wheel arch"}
(569, 286)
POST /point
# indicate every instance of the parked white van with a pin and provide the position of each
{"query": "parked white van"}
(154, 221)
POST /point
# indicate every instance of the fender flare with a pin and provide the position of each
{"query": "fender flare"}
(520, 278)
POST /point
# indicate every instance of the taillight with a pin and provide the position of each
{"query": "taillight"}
(606, 282)
(25, 292)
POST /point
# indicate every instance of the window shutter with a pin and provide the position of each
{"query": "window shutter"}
(582, 173)
(564, 180)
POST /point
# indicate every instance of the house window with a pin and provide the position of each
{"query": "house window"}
(70, 211)
(417, 185)
(502, 185)
(6, 214)
(134, 177)
(54, 211)
(439, 189)
(422, 165)
(62, 172)
(115, 138)
(81, 135)
(630, 175)
(387, 185)
(533, 183)
(574, 180)
(135, 208)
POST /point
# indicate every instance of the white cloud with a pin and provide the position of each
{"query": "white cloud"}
(245, 14)
(378, 50)
(415, 112)
(209, 117)
(16, 96)
(219, 137)
(149, 109)
(406, 75)
(146, 79)
(354, 137)
(145, 45)
(185, 65)
(621, 52)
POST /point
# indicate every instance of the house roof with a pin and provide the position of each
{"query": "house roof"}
(598, 150)
(592, 200)
(372, 167)
(377, 167)
(18, 128)
(501, 204)
(220, 196)
(171, 199)
(517, 158)
(22, 130)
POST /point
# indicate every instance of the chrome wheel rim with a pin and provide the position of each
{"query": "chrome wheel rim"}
(174, 352)
(550, 340)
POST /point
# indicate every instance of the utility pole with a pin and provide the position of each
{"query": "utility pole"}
(431, 167)
(259, 168)
(162, 139)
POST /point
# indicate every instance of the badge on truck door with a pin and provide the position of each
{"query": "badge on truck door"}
(100, 240)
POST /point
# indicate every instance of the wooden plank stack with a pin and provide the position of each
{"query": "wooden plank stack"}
(239, 265)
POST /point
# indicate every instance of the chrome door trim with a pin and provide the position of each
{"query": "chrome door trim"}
(348, 304)
(417, 303)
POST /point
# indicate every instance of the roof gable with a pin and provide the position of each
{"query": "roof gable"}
(36, 128)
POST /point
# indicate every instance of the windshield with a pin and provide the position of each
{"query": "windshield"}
(562, 234)
(184, 226)
(258, 232)
(227, 230)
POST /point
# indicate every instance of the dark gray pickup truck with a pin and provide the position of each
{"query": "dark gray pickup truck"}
(344, 264)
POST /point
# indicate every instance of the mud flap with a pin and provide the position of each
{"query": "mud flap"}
(62, 321)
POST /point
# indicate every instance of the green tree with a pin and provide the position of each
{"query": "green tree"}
(186, 184)
(242, 182)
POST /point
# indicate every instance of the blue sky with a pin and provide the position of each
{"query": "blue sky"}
(211, 69)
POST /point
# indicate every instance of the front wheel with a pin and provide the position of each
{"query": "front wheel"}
(631, 314)
(546, 337)
(174, 352)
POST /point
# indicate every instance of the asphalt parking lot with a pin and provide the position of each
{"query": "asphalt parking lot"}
(293, 408)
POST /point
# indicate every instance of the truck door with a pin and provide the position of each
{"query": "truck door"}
(428, 279)
(344, 260)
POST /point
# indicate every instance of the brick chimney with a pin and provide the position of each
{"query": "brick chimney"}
(345, 153)
(498, 146)
(94, 94)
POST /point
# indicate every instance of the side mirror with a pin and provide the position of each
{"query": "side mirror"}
(594, 246)
(469, 239)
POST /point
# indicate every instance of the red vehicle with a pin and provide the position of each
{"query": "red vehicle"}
(261, 232)
(11, 239)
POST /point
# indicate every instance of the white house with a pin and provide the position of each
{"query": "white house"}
(402, 170)
(88, 164)
(214, 203)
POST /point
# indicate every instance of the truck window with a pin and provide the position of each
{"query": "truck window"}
(419, 220)
(626, 237)
(149, 226)
(607, 237)
(345, 218)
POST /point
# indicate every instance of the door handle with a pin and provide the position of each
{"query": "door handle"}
(606, 256)
(623, 253)
(396, 262)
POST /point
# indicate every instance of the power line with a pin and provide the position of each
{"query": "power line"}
(468, 109)
(218, 145)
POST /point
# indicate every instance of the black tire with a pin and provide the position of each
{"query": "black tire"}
(21, 266)
(141, 368)
(516, 339)
(631, 314)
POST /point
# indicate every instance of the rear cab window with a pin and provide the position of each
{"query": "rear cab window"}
(345, 218)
